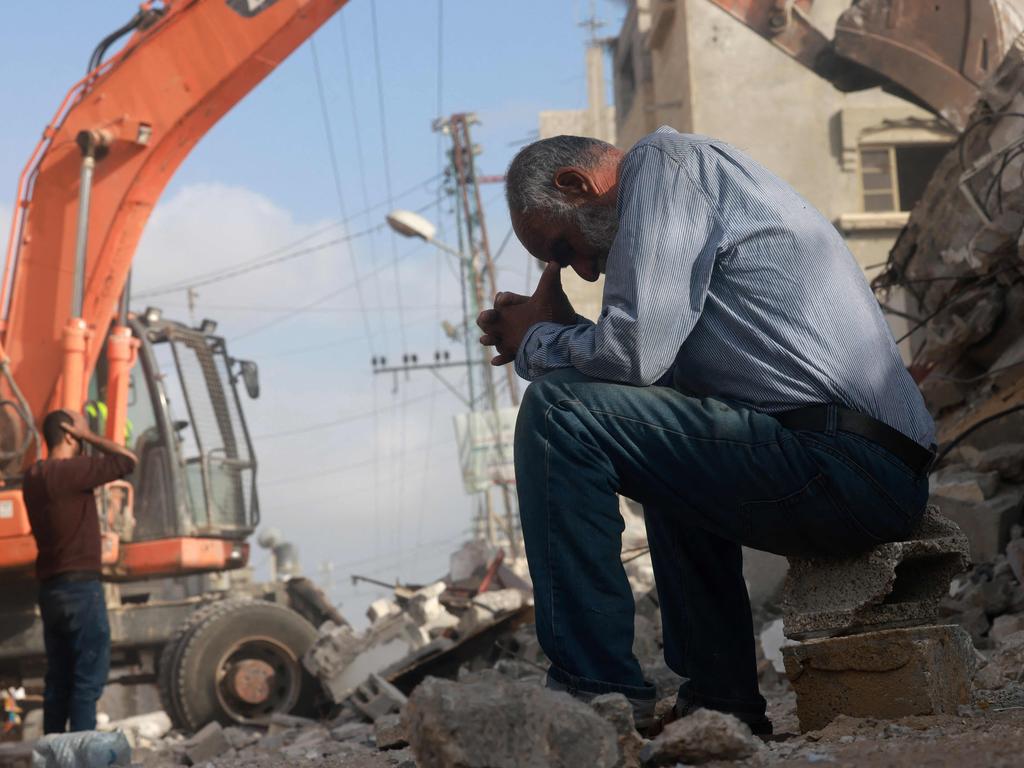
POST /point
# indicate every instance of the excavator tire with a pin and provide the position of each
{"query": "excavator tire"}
(242, 664)
(171, 653)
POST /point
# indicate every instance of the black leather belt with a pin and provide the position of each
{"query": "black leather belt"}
(816, 418)
(71, 576)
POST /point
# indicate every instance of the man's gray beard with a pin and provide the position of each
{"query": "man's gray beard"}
(599, 224)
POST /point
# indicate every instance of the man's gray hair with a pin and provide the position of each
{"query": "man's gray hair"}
(530, 179)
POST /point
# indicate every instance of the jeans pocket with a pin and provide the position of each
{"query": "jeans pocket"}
(810, 522)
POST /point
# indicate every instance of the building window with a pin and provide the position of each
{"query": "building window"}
(893, 178)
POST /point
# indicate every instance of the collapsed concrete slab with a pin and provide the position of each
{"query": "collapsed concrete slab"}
(888, 674)
(894, 585)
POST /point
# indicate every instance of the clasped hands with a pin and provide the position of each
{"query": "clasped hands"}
(505, 326)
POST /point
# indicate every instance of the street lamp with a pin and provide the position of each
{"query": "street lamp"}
(410, 224)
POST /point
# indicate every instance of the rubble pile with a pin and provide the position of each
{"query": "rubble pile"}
(958, 270)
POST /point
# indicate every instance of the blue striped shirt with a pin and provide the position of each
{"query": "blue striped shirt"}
(722, 274)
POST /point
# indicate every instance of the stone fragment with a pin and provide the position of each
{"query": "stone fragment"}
(240, 738)
(1006, 663)
(1007, 460)
(382, 609)
(888, 674)
(467, 560)
(893, 585)
(986, 524)
(389, 732)
(1006, 625)
(616, 709)
(150, 726)
(964, 486)
(497, 724)
(701, 737)
(280, 722)
(1015, 557)
(359, 732)
(342, 660)
(485, 609)
(206, 743)
(376, 697)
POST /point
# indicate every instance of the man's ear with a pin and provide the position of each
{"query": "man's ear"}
(574, 183)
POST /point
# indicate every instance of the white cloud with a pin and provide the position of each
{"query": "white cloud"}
(363, 491)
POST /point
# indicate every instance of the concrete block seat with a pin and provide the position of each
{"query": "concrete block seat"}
(891, 586)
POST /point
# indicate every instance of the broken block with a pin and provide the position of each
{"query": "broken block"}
(893, 585)
(888, 674)
(206, 744)
(964, 485)
(376, 697)
(986, 524)
(486, 608)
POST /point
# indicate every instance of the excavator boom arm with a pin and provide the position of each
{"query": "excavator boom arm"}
(138, 115)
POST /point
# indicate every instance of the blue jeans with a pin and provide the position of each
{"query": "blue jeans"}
(76, 633)
(711, 476)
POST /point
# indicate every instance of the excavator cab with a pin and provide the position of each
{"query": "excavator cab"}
(193, 493)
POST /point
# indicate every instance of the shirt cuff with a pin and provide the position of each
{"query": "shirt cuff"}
(528, 366)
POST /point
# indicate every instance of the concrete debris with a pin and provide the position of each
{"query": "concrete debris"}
(382, 609)
(389, 732)
(376, 697)
(987, 523)
(773, 639)
(887, 674)
(616, 709)
(956, 483)
(896, 584)
(701, 737)
(485, 608)
(141, 729)
(505, 725)
(1006, 460)
(207, 743)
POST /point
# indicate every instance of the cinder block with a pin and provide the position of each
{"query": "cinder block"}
(893, 585)
(889, 674)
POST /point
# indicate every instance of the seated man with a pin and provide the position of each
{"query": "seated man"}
(740, 382)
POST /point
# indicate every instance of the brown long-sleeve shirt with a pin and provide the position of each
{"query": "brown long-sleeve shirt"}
(62, 510)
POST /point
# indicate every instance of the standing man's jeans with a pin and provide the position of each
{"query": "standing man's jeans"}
(711, 476)
(77, 637)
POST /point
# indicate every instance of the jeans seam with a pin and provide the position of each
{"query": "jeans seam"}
(547, 522)
(687, 435)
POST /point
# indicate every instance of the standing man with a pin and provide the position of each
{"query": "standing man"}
(62, 511)
(740, 382)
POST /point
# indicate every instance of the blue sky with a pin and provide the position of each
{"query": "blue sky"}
(380, 491)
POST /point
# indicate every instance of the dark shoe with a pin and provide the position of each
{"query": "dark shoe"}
(643, 709)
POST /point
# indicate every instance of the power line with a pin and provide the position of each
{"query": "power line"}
(355, 465)
(272, 256)
(333, 155)
(254, 266)
(317, 302)
(386, 153)
(334, 422)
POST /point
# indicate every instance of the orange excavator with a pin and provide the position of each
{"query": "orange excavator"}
(67, 338)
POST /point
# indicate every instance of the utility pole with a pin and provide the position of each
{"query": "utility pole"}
(479, 285)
